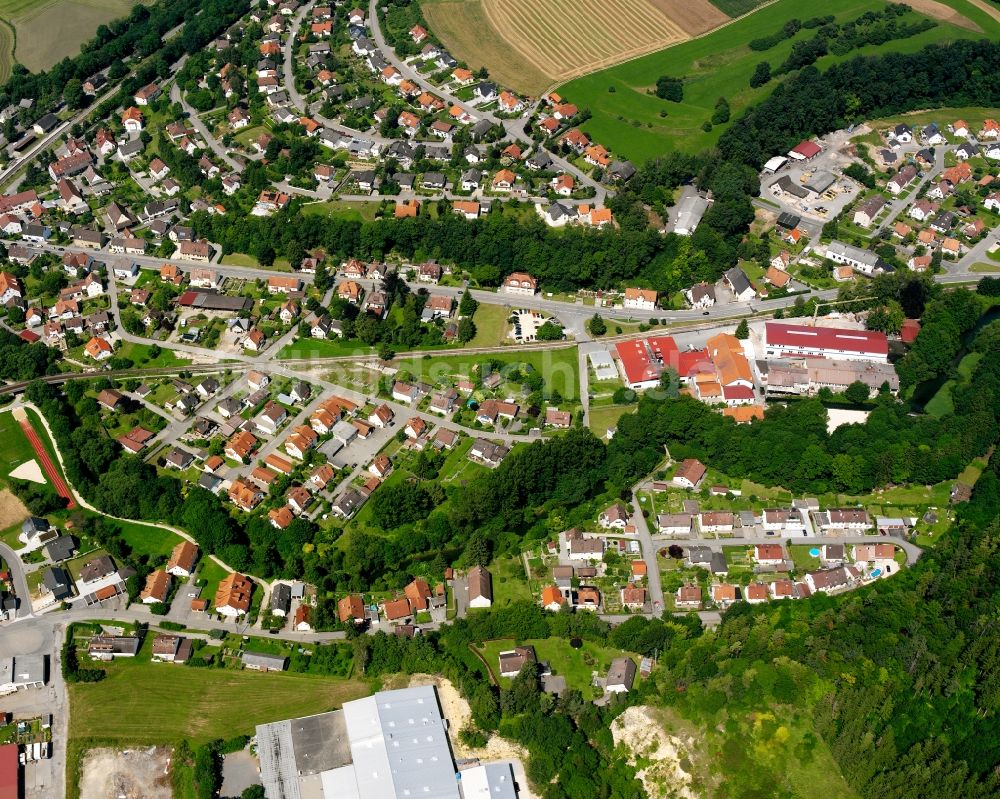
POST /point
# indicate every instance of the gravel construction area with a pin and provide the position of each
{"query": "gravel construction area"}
(12, 510)
(126, 774)
(456, 711)
(644, 737)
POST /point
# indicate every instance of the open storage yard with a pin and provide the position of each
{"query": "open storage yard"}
(126, 774)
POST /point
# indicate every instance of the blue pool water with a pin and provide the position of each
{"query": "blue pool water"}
(814, 552)
(876, 572)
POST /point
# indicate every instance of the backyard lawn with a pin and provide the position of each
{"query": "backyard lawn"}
(491, 325)
(509, 582)
(606, 417)
(576, 665)
(145, 539)
(212, 574)
(139, 354)
(559, 367)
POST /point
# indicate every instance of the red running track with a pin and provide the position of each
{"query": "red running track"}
(47, 465)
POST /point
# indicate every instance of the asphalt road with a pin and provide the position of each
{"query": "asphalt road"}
(19, 579)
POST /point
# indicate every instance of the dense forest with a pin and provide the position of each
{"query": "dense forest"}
(811, 102)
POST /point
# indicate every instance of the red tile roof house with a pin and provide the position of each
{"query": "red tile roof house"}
(418, 594)
(396, 609)
(688, 598)
(182, 559)
(157, 587)
(769, 555)
(633, 597)
(690, 473)
(724, 595)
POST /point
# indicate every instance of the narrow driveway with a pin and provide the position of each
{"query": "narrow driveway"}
(648, 556)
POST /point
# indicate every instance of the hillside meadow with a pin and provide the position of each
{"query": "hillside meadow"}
(628, 119)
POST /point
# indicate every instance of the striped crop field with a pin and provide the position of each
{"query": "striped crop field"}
(532, 44)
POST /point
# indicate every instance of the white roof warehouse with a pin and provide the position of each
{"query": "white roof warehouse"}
(393, 744)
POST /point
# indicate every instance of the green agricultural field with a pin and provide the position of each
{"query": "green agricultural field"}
(628, 120)
(737, 8)
(49, 30)
(6, 49)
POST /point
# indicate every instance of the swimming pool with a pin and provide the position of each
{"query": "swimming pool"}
(814, 552)
(876, 572)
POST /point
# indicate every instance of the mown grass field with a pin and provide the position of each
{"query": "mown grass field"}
(50, 30)
(140, 354)
(627, 119)
(604, 418)
(146, 539)
(143, 703)
(156, 703)
(6, 50)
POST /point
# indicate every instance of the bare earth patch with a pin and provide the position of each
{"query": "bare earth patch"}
(126, 774)
(12, 510)
(936, 10)
(694, 16)
(456, 711)
(640, 732)
(29, 470)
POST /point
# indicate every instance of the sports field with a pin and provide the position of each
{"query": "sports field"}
(631, 122)
(532, 44)
(50, 30)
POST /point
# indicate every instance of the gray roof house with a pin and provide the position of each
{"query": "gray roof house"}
(281, 599)
(60, 548)
(262, 661)
(57, 581)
